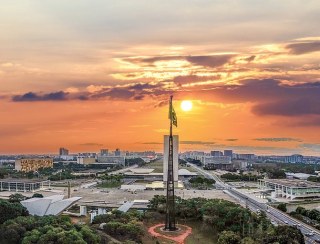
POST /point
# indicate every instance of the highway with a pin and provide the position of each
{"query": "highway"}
(275, 215)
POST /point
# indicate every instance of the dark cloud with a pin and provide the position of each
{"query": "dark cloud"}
(181, 80)
(232, 139)
(197, 142)
(250, 59)
(209, 61)
(135, 91)
(91, 144)
(115, 93)
(304, 47)
(313, 121)
(277, 139)
(289, 107)
(203, 60)
(33, 97)
(269, 96)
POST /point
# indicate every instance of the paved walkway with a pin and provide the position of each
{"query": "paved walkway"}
(178, 239)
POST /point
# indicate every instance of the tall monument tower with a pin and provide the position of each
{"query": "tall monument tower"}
(170, 223)
(175, 140)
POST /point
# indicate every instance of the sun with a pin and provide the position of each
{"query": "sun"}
(186, 105)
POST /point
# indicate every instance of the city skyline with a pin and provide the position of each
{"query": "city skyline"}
(99, 75)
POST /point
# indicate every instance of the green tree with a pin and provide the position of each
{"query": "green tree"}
(37, 195)
(285, 234)
(248, 240)
(3, 172)
(229, 237)
(11, 210)
(282, 207)
(17, 197)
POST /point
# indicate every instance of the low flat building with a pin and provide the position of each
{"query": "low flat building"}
(33, 164)
(186, 174)
(300, 176)
(133, 188)
(18, 185)
(148, 175)
(160, 185)
(290, 189)
(216, 162)
(112, 160)
(85, 160)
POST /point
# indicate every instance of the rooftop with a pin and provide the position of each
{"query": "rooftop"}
(141, 171)
(13, 180)
(293, 183)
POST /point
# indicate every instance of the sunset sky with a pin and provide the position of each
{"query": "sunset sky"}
(91, 74)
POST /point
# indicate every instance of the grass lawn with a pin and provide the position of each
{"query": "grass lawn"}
(191, 169)
(201, 234)
(111, 184)
(158, 167)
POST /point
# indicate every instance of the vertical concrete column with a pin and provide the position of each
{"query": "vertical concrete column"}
(83, 210)
(101, 211)
(24, 187)
(291, 195)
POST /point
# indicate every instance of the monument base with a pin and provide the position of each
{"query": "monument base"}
(179, 235)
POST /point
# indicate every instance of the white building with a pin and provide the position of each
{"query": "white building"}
(290, 189)
(175, 157)
(53, 205)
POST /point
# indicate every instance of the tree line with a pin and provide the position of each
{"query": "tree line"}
(233, 223)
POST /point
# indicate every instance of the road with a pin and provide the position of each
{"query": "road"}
(123, 170)
(275, 215)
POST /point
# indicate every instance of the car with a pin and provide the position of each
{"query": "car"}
(268, 211)
(286, 222)
(299, 225)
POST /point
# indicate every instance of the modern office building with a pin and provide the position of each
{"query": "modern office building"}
(216, 153)
(175, 157)
(104, 152)
(117, 152)
(33, 164)
(111, 160)
(246, 156)
(216, 162)
(18, 185)
(295, 158)
(228, 153)
(290, 189)
(63, 151)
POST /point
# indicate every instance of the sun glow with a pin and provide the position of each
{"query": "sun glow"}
(186, 105)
